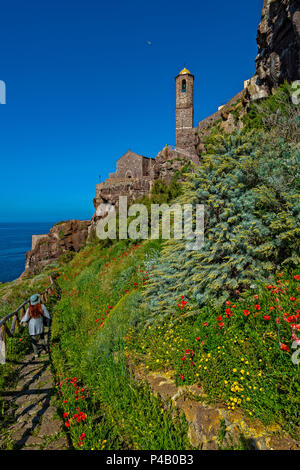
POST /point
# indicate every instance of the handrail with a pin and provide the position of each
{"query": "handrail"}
(16, 320)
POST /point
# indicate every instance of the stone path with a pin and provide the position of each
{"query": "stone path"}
(34, 422)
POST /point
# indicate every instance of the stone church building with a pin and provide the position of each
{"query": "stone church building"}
(136, 173)
(132, 165)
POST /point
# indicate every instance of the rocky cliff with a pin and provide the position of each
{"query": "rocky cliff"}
(278, 59)
(64, 236)
(278, 40)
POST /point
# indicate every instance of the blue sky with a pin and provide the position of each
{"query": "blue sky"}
(83, 86)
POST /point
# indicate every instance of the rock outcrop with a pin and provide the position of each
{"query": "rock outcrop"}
(213, 426)
(229, 116)
(64, 236)
(278, 40)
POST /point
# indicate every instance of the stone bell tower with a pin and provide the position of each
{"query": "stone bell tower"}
(185, 111)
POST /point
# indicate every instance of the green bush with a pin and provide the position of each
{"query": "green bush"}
(277, 115)
(66, 257)
(249, 183)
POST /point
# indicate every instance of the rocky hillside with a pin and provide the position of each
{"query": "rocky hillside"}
(278, 40)
(278, 59)
(67, 236)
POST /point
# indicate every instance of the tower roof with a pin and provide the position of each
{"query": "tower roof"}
(184, 71)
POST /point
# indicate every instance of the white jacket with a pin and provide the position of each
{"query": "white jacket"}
(36, 325)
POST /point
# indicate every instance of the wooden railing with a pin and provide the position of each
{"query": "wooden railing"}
(16, 316)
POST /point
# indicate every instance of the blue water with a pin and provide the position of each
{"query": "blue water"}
(15, 240)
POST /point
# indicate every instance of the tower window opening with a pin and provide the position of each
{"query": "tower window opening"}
(183, 88)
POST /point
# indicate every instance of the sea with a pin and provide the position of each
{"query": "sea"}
(15, 240)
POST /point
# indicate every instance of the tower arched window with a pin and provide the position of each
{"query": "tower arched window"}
(183, 86)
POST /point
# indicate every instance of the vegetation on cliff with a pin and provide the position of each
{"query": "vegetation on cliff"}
(249, 182)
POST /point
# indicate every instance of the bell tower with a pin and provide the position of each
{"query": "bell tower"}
(185, 110)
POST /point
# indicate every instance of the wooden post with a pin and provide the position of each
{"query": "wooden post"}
(15, 323)
(2, 344)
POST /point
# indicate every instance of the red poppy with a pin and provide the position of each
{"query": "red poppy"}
(246, 312)
(266, 317)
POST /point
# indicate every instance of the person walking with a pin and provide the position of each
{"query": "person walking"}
(35, 315)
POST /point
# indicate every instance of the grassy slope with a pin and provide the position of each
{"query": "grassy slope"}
(102, 311)
(239, 354)
(101, 301)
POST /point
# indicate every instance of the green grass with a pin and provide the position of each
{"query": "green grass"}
(100, 303)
